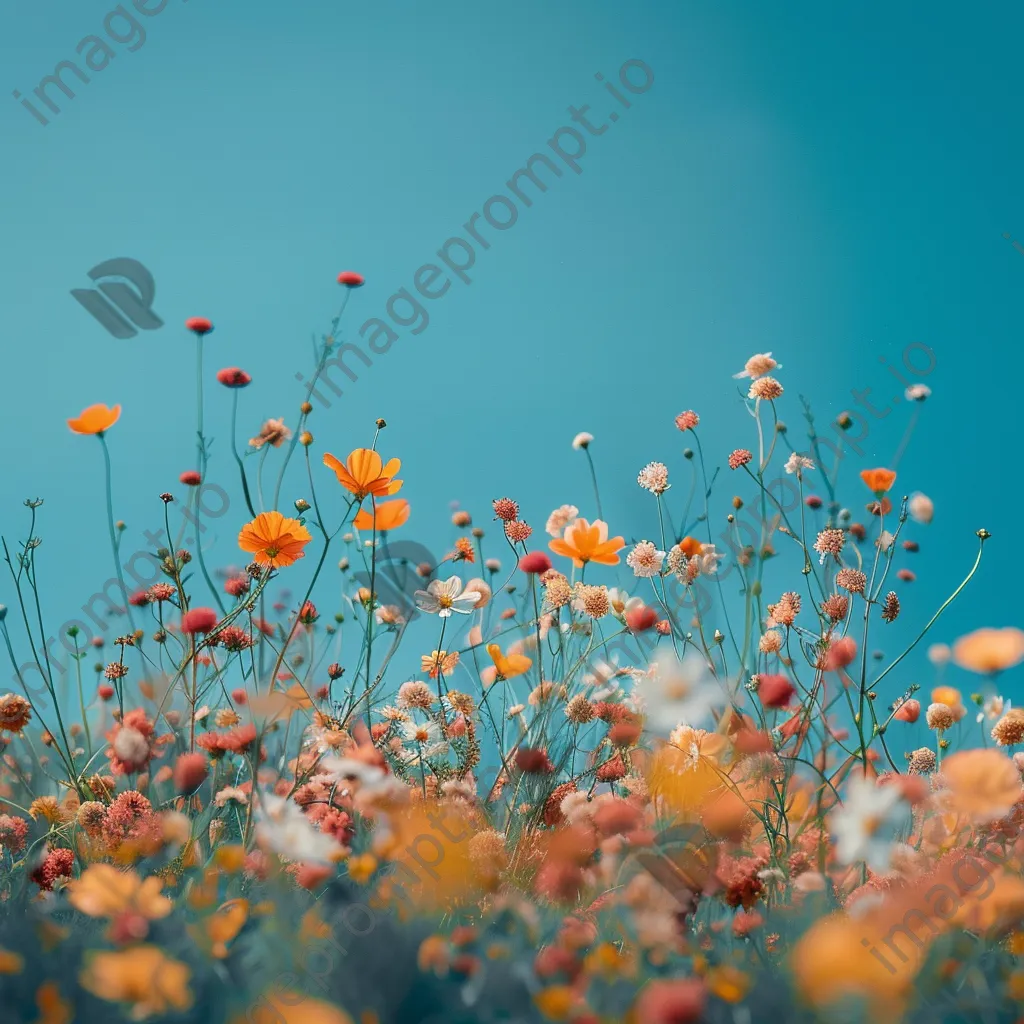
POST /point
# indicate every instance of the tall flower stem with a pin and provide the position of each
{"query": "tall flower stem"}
(593, 478)
(114, 543)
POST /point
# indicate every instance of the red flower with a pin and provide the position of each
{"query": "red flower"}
(190, 772)
(775, 691)
(535, 562)
(199, 325)
(840, 654)
(908, 711)
(239, 696)
(351, 279)
(812, 501)
(190, 478)
(233, 377)
(641, 619)
(105, 691)
(534, 761)
(198, 620)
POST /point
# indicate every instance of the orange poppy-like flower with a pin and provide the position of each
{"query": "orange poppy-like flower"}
(103, 891)
(878, 480)
(143, 976)
(95, 420)
(274, 540)
(990, 650)
(983, 784)
(388, 515)
(588, 542)
(690, 546)
(509, 665)
(365, 472)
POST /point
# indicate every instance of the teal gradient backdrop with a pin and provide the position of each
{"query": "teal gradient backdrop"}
(830, 185)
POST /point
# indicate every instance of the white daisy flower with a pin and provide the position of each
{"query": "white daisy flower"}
(444, 597)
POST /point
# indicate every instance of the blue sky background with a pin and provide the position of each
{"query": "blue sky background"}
(828, 184)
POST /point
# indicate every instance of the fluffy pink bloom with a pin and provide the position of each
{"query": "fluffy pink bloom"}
(198, 620)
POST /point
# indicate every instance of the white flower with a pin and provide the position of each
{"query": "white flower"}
(866, 824)
(283, 828)
(422, 734)
(645, 559)
(917, 392)
(994, 707)
(561, 518)
(443, 598)
(885, 539)
(231, 793)
(797, 463)
(675, 691)
(582, 440)
(708, 559)
(621, 603)
(757, 366)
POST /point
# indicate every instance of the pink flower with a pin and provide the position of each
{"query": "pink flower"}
(740, 457)
(351, 279)
(536, 562)
(198, 620)
(190, 478)
(687, 420)
(775, 691)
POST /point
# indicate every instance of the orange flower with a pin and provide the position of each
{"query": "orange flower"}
(142, 976)
(990, 650)
(283, 1006)
(438, 661)
(103, 891)
(388, 515)
(982, 784)
(274, 540)
(878, 480)
(588, 542)
(95, 419)
(690, 546)
(364, 472)
(509, 665)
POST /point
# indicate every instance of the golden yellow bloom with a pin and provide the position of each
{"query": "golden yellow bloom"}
(144, 976)
(509, 665)
(362, 867)
(11, 963)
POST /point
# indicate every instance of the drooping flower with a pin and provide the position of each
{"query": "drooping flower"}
(273, 432)
(364, 473)
(878, 480)
(443, 597)
(582, 440)
(388, 515)
(585, 542)
(96, 419)
(274, 540)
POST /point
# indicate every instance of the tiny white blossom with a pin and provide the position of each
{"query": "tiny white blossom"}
(582, 440)
(797, 463)
(867, 822)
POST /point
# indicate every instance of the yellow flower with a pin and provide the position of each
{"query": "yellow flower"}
(555, 1001)
(143, 976)
(11, 963)
(362, 867)
(509, 665)
(103, 891)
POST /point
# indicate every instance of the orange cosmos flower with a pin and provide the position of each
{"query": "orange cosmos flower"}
(509, 665)
(388, 515)
(142, 976)
(95, 420)
(103, 891)
(690, 546)
(990, 650)
(364, 472)
(274, 540)
(588, 542)
(439, 661)
(878, 480)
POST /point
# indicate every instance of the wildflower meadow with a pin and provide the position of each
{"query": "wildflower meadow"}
(563, 770)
